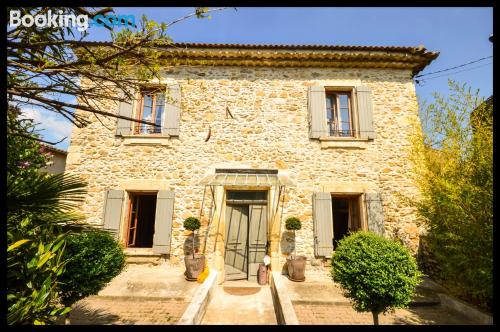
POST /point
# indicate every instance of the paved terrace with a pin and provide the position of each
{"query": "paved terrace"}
(140, 295)
(159, 295)
(318, 300)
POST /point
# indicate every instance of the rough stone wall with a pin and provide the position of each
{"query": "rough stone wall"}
(269, 130)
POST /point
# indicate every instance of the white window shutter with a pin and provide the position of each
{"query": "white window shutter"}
(125, 108)
(172, 112)
(365, 112)
(375, 212)
(113, 211)
(323, 224)
(317, 112)
(163, 222)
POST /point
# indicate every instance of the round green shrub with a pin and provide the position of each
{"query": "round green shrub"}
(293, 224)
(192, 223)
(376, 273)
(94, 259)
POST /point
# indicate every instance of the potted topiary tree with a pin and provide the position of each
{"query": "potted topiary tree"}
(296, 264)
(194, 263)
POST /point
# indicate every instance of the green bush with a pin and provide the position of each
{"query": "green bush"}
(94, 258)
(377, 274)
(293, 224)
(192, 223)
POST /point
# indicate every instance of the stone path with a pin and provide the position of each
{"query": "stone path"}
(319, 300)
(241, 303)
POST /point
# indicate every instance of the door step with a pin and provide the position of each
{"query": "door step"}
(143, 256)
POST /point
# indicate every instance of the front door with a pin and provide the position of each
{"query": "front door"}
(236, 249)
(246, 234)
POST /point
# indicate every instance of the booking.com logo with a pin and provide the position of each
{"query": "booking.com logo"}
(81, 22)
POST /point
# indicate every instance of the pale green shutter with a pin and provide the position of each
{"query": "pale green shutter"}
(257, 239)
(375, 213)
(365, 112)
(163, 222)
(125, 108)
(172, 110)
(323, 224)
(317, 112)
(113, 211)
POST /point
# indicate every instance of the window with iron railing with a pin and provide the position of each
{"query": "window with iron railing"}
(339, 114)
(150, 107)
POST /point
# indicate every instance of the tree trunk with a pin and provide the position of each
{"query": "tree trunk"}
(294, 244)
(375, 318)
(193, 243)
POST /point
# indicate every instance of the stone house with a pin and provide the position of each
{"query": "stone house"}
(57, 162)
(250, 135)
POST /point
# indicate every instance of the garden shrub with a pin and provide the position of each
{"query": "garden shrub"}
(293, 224)
(452, 157)
(94, 259)
(192, 224)
(376, 273)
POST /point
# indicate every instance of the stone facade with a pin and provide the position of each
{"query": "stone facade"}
(269, 130)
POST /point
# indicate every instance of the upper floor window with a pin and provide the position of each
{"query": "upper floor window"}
(150, 107)
(339, 113)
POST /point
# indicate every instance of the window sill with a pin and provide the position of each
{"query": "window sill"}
(145, 139)
(329, 142)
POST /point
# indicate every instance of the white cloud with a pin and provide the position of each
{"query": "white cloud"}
(51, 126)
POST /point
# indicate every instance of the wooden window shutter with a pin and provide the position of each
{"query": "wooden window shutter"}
(163, 222)
(172, 111)
(113, 211)
(317, 112)
(125, 108)
(375, 213)
(323, 224)
(365, 112)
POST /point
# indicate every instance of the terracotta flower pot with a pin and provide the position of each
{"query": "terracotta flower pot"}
(296, 268)
(193, 266)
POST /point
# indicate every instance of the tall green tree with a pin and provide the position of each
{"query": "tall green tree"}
(453, 167)
(46, 65)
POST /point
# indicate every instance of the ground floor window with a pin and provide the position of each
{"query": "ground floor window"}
(346, 216)
(141, 223)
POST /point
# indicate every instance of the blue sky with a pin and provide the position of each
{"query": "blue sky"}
(459, 34)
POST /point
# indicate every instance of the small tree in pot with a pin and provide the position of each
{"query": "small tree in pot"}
(194, 263)
(377, 274)
(296, 264)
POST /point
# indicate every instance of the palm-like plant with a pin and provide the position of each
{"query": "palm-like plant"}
(40, 214)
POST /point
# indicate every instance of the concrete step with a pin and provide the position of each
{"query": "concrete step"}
(143, 256)
(144, 259)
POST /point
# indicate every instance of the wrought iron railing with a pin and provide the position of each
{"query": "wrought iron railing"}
(342, 132)
(147, 129)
